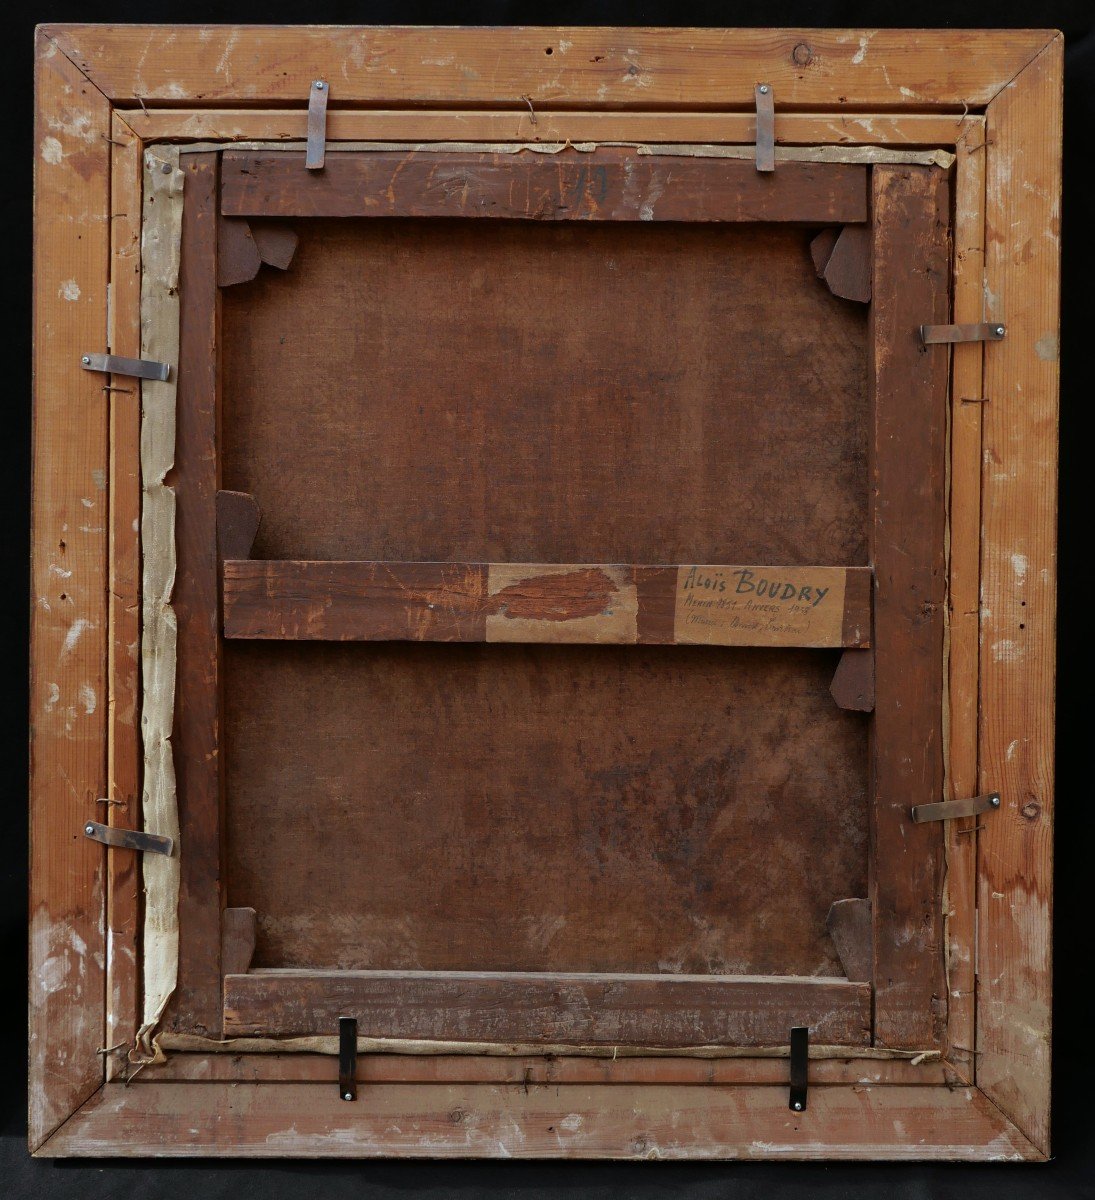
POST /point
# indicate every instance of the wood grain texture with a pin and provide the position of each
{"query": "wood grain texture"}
(277, 243)
(1018, 619)
(610, 184)
(560, 808)
(911, 276)
(197, 738)
(237, 940)
(853, 682)
(124, 603)
(963, 603)
(847, 268)
(514, 602)
(850, 927)
(841, 1065)
(618, 67)
(568, 1121)
(579, 1008)
(238, 258)
(69, 582)
(238, 520)
(544, 124)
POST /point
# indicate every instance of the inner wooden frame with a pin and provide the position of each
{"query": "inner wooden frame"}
(911, 217)
(1010, 85)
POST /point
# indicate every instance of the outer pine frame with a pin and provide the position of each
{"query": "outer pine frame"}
(105, 91)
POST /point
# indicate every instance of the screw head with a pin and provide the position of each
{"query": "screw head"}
(763, 89)
(319, 85)
(995, 801)
(347, 1095)
(166, 168)
(89, 829)
(86, 360)
(797, 1106)
(999, 331)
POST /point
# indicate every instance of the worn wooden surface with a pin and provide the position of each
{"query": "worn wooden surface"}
(850, 926)
(197, 736)
(847, 268)
(1018, 564)
(524, 1069)
(610, 1009)
(1027, 1093)
(277, 242)
(124, 602)
(566, 1121)
(542, 807)
(908, 473)
(613, 184)
(238, 520)
(69, 618)
(515, 602)
(609, 67)
(238, 257)
(518, 124)
(237, 940)
(853, 681)
(963, 602)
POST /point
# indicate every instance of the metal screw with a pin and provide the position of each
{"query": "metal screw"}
(347, 1095)
(89, 829)
(86, 360)
(166, 168)
(319, 85)
(797, 1106)
(995, 801)
(999, 331)
(763, 89)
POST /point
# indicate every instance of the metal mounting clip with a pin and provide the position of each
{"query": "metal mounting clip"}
(766, 127)
(347, 1058)
(948, 810)
(800, 1068)
(317, 125)
(932, 335)
(129, 839)
(139, 368)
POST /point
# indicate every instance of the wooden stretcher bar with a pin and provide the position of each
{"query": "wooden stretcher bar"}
(606, 1009)
(619, 187)
(515, 602)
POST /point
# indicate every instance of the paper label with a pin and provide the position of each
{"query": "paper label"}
(759, 606)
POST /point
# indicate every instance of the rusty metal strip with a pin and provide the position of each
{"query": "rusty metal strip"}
(948, 810)
(932, 335)
(128, 839)
(317, 125)
(766, 128)
(136, 368)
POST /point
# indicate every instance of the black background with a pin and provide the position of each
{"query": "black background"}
(1072, 1173)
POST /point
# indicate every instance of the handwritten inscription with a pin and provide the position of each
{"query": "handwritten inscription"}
(759, 606)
